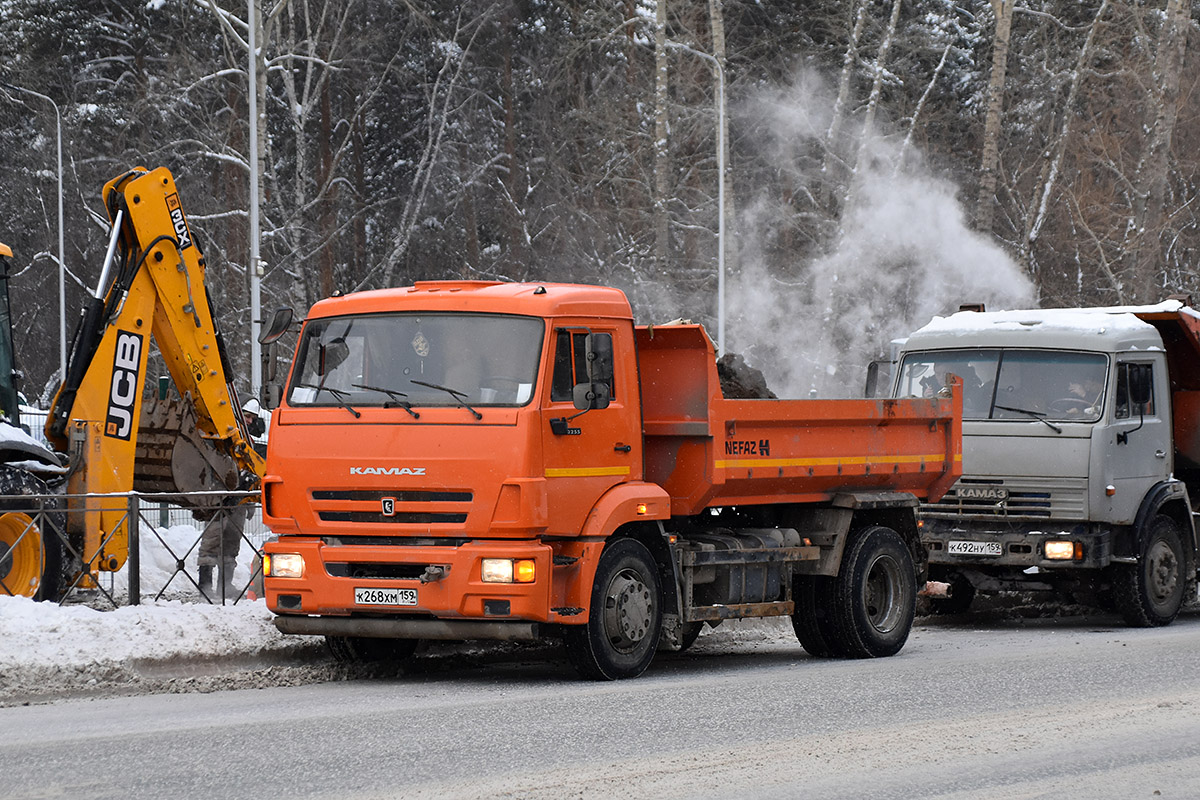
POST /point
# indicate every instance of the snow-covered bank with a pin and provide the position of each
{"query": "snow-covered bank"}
(49, 651)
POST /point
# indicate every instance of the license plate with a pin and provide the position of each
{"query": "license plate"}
(384, 597)
(974, 549)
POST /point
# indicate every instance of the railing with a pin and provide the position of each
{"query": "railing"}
(166, 537)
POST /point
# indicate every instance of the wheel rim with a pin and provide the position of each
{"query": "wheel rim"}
(628, 610)
(21, 561)
(1162, 572)
(881, 594)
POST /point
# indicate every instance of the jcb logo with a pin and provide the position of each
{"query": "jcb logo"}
(123, 393)
(179, 222)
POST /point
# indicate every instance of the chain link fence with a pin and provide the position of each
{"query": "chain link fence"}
(204, 548)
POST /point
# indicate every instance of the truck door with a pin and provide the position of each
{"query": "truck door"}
(1141, 452)
(586, 453)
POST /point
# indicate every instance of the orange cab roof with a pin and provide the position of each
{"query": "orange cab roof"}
(530, 299)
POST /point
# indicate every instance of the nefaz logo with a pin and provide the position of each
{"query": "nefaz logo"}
(179, 222)
(982, 493)
(751, 448)
(123, 394)
(387, 470)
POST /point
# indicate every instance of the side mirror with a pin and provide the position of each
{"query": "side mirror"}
(599, 358)
(1140, 390)
(272, 395)
(332, 355)
(591, 395)
(277, 328)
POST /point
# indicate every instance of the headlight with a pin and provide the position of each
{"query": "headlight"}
(1059, 550)
(508, 570)
(283, 565)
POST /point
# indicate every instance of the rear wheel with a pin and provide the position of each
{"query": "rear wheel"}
(364, 650)
(622, 631)
(1151, 592)
(874, 596)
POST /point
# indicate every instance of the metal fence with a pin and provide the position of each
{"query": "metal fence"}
(169, 537)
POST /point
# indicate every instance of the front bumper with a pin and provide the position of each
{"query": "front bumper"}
(1018, 550)
(332, 572)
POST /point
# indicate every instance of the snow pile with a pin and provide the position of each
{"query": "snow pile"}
(44, 634)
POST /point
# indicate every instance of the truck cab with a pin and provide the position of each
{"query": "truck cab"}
(1069, 458)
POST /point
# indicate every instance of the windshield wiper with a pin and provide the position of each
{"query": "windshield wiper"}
(338, 395)
(455, 393)
(397, 398)
(1038, 415)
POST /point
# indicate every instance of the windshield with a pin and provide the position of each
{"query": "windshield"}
(417, 360)
(1012, 384)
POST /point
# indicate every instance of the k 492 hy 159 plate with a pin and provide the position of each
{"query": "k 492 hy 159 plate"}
(974, 549)
(364, 596)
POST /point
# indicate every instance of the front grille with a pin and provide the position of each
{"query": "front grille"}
(391, 507)
(1025, 498)
(391, 541)
(399, 518)
(376, 496)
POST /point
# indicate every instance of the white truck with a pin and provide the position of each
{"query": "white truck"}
(1081, 451)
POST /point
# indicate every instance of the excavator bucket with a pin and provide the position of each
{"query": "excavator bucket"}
(173, 455)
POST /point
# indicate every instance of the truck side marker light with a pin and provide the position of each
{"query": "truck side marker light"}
(1110, 490)
(642, 510)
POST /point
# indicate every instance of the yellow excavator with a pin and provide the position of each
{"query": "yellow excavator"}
(151, 287)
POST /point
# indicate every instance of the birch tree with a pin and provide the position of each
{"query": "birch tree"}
(986, 203)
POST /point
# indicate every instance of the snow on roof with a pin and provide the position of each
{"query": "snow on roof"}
(1116, 325)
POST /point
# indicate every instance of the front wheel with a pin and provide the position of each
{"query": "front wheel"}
(621, 634)
(30, 553)
(874, 596)
(1151, 592)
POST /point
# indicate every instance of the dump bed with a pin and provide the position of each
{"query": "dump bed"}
(1179, 327)
(706, 450)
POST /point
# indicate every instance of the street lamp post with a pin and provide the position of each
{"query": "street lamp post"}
(254, 265)
(62, 291)
(720, 73)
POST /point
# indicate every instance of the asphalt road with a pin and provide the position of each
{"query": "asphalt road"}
(1081, 708)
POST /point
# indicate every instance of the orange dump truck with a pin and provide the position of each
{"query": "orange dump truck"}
(469, 460)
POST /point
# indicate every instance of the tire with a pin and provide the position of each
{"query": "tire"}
(1150, 593)
(874, 595)
(813, 595)
(30, 557)
(962, 594)
(364, 650)
(623, 627)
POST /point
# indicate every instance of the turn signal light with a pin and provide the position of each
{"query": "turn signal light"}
(524, 570)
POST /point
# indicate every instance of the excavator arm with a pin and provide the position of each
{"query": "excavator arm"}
(152, 287)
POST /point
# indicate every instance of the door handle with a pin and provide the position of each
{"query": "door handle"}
(1160, 454)
(623, 448)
